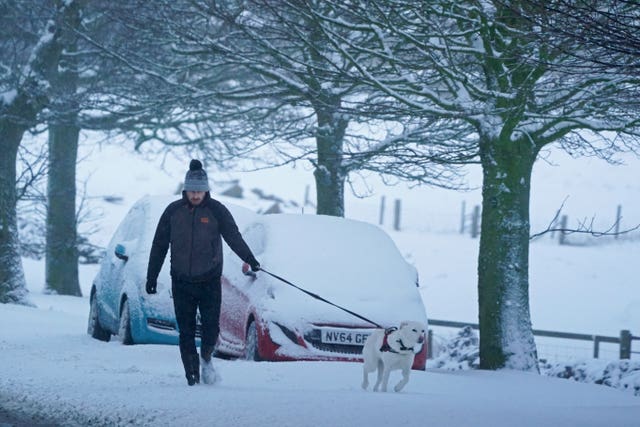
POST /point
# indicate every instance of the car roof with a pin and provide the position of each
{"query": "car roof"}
(156, 204)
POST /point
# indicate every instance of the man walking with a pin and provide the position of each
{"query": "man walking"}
(193, 227)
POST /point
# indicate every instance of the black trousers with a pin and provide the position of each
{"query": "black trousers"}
(188, 298)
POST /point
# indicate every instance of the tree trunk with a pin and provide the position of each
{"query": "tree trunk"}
(62, 251)
(13, 287)
(506, 336)
(62, 246)
(329, 173)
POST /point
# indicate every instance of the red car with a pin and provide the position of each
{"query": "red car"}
(351, 264)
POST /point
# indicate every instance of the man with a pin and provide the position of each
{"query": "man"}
(193, 227)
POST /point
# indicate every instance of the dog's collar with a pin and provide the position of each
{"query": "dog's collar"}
(385, 342)
(402, 346)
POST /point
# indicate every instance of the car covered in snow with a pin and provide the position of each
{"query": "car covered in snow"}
(323, 276)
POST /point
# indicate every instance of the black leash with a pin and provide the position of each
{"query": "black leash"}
(320, 298)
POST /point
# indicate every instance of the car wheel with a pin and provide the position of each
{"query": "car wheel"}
(124, 328)
(94, 328)
(251, 348)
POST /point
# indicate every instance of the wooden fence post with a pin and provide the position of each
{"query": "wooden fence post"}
(596, 346)
(430, 344)
(381, 221)
(563, 226)
(618, 219)
(625, 344)
(475, 222)
(306, 198)
(396, 219)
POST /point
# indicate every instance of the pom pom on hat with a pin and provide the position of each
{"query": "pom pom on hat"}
(196, 178)
(195, 165)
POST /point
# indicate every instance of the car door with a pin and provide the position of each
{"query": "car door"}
(236, 301)
(234, 313)
(122, 247)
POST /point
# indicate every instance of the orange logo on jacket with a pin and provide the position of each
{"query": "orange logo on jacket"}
(204, 220)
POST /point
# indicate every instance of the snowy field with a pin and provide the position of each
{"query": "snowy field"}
(52, 372)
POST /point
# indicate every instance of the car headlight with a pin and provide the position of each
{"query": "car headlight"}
(288, 333)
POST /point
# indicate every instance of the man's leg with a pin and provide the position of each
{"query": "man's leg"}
(185, 304)
(210, 303)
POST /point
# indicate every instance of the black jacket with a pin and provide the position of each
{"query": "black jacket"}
(194, 233)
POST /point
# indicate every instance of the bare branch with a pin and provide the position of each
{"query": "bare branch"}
(584, 227)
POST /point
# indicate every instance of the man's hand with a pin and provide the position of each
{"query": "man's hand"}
(255, 266)
(151, 286)
(250, 269)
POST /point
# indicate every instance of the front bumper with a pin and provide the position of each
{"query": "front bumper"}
(280, 343)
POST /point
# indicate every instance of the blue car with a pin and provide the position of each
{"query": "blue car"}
(119, 304)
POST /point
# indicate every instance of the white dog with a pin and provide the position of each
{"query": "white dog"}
(390, 349)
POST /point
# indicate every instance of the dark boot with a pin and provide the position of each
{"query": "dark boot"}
(195, 369)
(191, 364)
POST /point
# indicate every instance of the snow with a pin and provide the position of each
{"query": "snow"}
(336, 270)
(6, 98)
(51, 371)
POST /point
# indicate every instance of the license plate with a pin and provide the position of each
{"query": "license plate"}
(345, 337)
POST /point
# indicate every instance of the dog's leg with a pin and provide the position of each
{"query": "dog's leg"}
(366, 368)
(369, 365)
(405, 379)
(385, 378)
(380, 370)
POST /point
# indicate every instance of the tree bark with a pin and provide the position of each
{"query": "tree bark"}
(329, 173)
(506, 340)
(13, 287)
(62, 251)
(62, 246)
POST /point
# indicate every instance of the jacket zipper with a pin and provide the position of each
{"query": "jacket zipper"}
(193, 226)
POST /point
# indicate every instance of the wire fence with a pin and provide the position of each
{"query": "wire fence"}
(465, 219)
(561, 346)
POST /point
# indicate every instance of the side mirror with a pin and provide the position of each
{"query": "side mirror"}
(121, 252)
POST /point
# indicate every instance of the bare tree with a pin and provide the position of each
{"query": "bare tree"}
(29, 41)
(258, 80)
(481, 65)
(44, 68)
(602, 34)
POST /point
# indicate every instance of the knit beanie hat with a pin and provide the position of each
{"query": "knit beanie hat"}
(196, 178)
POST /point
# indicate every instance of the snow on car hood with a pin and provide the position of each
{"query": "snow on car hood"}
(350, 263)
